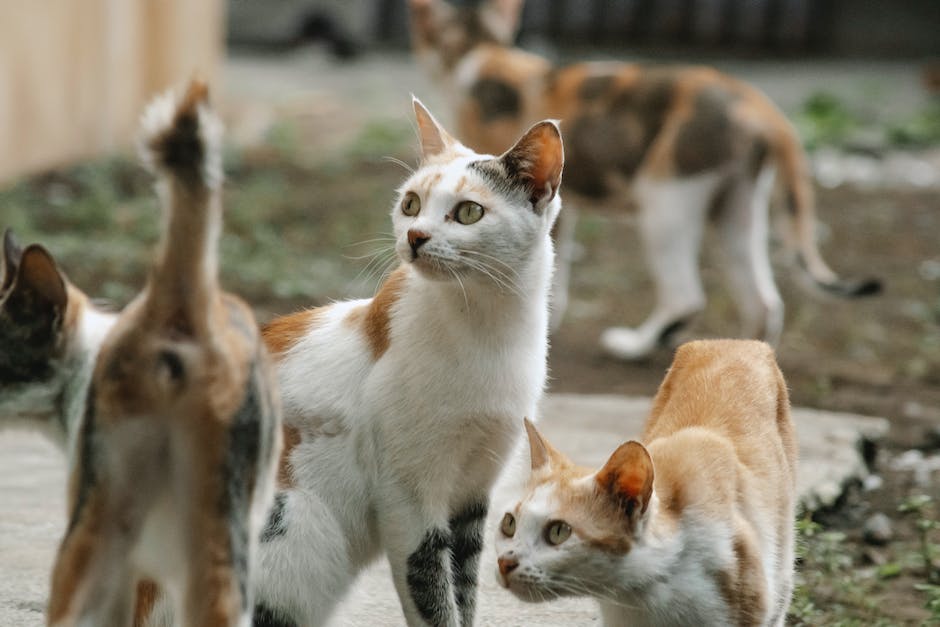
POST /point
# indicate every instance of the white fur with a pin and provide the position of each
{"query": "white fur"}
(393, 447)
(665, 579)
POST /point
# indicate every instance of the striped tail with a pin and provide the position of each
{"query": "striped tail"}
(794, 176)
(180, 143)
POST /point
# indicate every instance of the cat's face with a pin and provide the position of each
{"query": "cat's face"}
(44, 329)
(476, 217)
(575, 530)
(443, 33)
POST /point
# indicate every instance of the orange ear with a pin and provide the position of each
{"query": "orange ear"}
(536, 161)
(628, 477)
(434, 139)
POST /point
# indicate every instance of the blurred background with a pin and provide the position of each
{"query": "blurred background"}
(315, 95)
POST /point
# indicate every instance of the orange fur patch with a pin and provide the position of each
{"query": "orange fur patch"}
(147, 593)
(282, 333)
(378, 317)
(285, 475)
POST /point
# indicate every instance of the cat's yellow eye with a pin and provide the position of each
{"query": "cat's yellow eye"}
(468, 212)
(410, 204)
(508, 526)
(557, 532)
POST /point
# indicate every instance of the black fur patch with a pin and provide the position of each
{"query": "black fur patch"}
(497, 99)
(499, 179)
(277, 525)
(705, 140)
(595, 87)
(466, 529)
(267, 617)
(241, 467)
(28, 333)
(428, 578)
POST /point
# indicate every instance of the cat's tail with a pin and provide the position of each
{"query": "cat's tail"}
(801, 208)
(180, 143)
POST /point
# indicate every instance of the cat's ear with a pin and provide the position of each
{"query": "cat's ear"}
(434, 139)
(9, 260)
(542, 454)
(38, 295)
(536, 162)
(627, 477)
(502, 18)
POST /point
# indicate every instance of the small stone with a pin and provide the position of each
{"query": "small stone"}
(872, 483)
(878, 530)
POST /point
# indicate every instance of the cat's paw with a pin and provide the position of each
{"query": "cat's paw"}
(181, 137)
(626, 344)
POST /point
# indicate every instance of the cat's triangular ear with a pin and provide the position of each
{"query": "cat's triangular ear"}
(627, 477)
(434, 139)
(9, 260)
(536, 162)
(502, 18)
(542, 454)
(39, 295)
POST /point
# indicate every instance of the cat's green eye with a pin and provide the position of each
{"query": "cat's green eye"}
(557, 532)
(508, 526)
(411, 204)
(468, 212)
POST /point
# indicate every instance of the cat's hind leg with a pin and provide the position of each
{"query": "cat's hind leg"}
(671, 220)
(744, 231)
(92, 583)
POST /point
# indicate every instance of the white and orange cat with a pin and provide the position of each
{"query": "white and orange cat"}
(403, 408)
(684, 145)
(692, 527)
(174, 460)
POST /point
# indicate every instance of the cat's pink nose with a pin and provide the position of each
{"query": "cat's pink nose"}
(417, 239)
(507, 565)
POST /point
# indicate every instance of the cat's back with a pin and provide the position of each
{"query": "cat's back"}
(732, 388)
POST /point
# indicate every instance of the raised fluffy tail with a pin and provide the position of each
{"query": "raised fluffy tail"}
(180, 143)
(800, 201)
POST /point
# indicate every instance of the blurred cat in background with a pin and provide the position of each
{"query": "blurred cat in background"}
(685, 145)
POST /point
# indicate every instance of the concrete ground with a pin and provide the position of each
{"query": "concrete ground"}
(588, 428)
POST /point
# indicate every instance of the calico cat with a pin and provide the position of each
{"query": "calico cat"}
(692, 527)
(49, 336)
(180, 436)
(401, 409)
(682, 144)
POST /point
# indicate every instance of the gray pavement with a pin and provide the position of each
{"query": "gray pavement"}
(588, 428)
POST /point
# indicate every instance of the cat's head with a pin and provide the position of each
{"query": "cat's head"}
(575, 531)
(443, 33)
(47, 328)
(470, 216)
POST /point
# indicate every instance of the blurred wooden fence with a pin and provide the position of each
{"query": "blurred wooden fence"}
(74, 74)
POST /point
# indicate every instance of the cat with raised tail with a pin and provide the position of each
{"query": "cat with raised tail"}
(177, 444)
(693, 526)
(402, 409)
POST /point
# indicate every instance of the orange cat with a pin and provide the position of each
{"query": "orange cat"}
(685, 145)
(692, 527)
(179, 439)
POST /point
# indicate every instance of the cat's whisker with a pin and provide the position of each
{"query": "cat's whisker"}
(382, 237)
(502, 282)
(397, 161)
(491, 257)
(462, 288)
(376, 262)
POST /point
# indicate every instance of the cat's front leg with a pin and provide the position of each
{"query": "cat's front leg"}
(466, 535)
(418, 545)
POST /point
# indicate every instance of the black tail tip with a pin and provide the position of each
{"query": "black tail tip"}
(858, 288)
